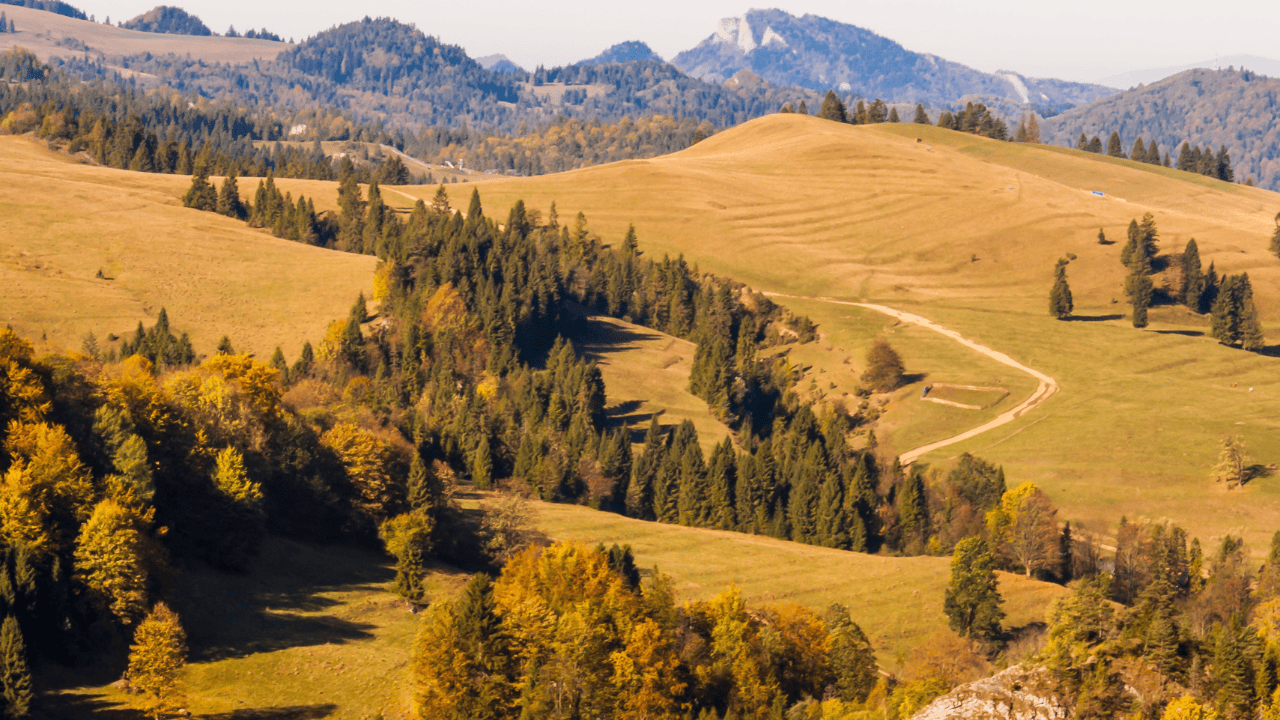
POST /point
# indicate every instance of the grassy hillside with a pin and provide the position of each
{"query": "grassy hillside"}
(50, 35)
(308, 632)
(647, 372)
(63, 222)
(897, 601)
(965, 232)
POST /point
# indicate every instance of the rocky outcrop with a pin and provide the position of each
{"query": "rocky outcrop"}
(1019, 693)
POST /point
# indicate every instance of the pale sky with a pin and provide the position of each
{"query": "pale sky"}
(1082, 40)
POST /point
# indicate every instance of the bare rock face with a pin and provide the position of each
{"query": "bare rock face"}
(1019, 693)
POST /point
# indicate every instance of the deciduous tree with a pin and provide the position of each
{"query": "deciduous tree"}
(157, 662)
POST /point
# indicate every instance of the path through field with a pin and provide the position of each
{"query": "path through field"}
(1044, 390)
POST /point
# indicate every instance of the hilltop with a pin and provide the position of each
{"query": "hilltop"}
(965, 231)
(96, 250)
(1231, 108)
(630, 51)
(168, 19)
(818, 54)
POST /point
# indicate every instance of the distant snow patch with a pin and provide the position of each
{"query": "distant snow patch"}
(1044, 97)
(1018, 86)
(772, 38)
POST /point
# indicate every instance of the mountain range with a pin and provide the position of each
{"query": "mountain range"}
(1134, 78)
(817, 53)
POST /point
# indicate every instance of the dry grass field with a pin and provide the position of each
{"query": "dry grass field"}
(965, 231)
(42, 32)
(62, 222)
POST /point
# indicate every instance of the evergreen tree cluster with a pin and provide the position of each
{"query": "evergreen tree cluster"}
(1060, 301)
(975, 119)
(6, 25)
(833, 108)
(1199, 631)
(1234, 319)
(270, 208)
(159, 345)
(1139, 256)
(1206, 162)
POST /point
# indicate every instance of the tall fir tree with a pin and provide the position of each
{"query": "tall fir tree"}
(1060, 300)
(1191, 284)
(833, 108)
(972, 601)
(1114, 148)
(921, 118)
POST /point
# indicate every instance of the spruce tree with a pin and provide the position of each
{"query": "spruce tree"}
(722, 480)
(224, 346)
(15, 677)
(860, 114)
(893, 115)
(1274, 247)
(804, 108)
(1114, 148)
(1060, 301)
(972, 601)
(201, 195)
(229, 203)
(876, 112)
(1082, 143)
(1191, 285)
(853, 661)
(921, 118)
(1186, 161)
(831, 521)
(1139, 151)
(1095, 145)
(833, 108)
(1153, 153)
(482, 463)
(1033, 130)
(1141, 292)
(644, 473)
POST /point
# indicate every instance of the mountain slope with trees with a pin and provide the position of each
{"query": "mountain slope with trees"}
(820, 54)
(1235, 109)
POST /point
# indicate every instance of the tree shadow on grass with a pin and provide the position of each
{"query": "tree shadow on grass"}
(293, 712)
(1183, 333)
(1270, 351)
(1093, 318)
(599, 338)
(1257, 472)
(75, 706)
(281, 602)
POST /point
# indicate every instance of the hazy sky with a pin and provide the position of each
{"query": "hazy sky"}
(1083, 40)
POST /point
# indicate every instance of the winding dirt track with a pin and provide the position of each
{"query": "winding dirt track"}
(1044, 390)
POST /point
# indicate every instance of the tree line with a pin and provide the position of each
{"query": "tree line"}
(1190, 159)
(975, 118)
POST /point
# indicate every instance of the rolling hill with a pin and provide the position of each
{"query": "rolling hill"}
(965, 231)
(63, 222)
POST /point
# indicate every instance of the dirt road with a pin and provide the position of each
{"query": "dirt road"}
(1044, 390)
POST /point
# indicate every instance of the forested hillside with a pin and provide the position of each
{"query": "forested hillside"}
(167, 19)
(1235, 109)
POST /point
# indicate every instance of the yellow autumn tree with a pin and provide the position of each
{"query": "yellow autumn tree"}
(736, 655)
(22, 393)
(647, 676)
(110, 561)
(367, 461)
(157, 662)
(47, 491)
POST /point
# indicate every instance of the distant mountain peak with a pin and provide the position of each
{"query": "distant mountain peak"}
(819, 54)
(499, 63)
(625, 52)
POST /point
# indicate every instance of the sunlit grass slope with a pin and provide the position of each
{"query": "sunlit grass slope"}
(965, 231)
(897, 601)
(62, 222)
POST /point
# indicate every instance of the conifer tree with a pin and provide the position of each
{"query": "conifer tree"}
(281, 366)
(1141, 292)
(833, 108)
(1095, 145)
(302, 368)
(1139, 151)
(15, 676)
(802, 508)
(1153, 153)
(1275, 238)
(482, 463)
(1192, 283)
(804, 108)
(853, 661)
(860, 114)
(1082, 143)
(644, 473)
(224, 346)
(440, 202)
(1186, 161)
(1114, 148)
(1060, 301)
(893, 115)
(831, 521)
(947, 120)
(201, 195)
(972, 602)
(157, 660)
(921, 118)
(229, 203)
(876, 112)
(1033, 130)
(722, 480)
